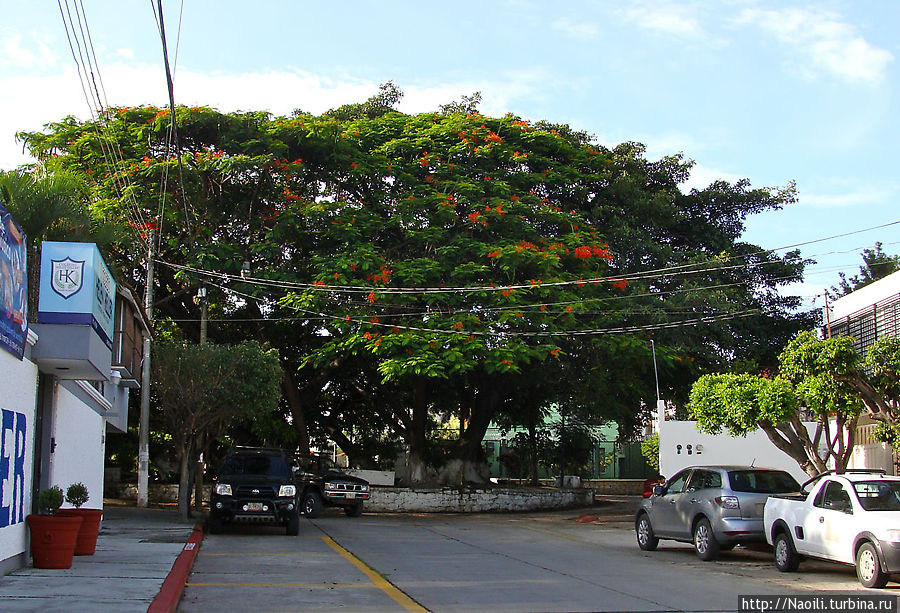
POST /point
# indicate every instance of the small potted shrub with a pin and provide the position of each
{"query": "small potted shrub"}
(53, 536)
(77, 495)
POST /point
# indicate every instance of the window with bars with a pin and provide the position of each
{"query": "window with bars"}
(869, 324)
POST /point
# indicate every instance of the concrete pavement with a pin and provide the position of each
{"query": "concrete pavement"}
(137, 551)
(143, 559)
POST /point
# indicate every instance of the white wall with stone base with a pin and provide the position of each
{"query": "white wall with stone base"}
(454, 500)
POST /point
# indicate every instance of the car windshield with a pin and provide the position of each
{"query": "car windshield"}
(878, 495)
(762, 481)
(269, 465)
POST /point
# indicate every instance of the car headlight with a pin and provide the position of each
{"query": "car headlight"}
(223, 489)
(330, 486)
(893, 536)
(365, 488)
(287, 490)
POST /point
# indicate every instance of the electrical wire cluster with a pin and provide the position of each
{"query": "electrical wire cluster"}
(83, 53)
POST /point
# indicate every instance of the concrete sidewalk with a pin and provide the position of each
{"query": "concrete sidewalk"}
(136, 552)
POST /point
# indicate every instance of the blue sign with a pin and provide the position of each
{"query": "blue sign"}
(76, 288)
(13, 431)
(13, 285)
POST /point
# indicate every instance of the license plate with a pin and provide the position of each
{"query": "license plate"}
(351, 495)
(254, 506)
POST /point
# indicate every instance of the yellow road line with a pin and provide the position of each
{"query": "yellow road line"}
(386, 586)
(325, 585)
(221, 555)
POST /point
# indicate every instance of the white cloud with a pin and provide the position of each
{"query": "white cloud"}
(576, 29)
(822, 43)
(865, 195)
(667, 17)
(25, 52)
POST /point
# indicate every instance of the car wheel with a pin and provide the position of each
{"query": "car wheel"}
(868, 567)
(292, 527)
(214, 524)
(705, 543)
(354, 511)
(644, 532)
(786, 558)
(312, 504)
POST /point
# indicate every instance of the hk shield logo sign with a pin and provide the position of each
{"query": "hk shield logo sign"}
(67, 276)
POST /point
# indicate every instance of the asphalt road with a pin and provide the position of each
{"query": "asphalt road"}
(487, 562)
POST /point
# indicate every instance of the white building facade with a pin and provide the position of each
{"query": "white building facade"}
(869, 313)
(64, 382)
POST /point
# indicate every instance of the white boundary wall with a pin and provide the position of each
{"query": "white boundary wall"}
(18, 399)
(681, 444)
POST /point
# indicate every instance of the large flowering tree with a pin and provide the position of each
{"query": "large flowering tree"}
(412, 266)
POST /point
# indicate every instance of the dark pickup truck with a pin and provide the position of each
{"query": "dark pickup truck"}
(322, 484)
(254, 485)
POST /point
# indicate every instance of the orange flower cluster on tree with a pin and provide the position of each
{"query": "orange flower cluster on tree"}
(289, 195)
(584, 252)
(384, 277)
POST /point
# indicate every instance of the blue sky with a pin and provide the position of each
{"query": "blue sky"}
(771, 91)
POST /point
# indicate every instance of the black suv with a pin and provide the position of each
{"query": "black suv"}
(254, 485)
(323, 484)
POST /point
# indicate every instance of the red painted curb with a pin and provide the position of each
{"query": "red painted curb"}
(172, 589)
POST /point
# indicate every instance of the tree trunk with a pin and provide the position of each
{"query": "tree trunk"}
(184, 481)
(415, 438)
(292, 397)
(796, 444)
(468, 464)
(532, 441)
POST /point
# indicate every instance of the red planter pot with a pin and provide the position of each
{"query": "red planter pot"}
(90, 528)
(53, 540)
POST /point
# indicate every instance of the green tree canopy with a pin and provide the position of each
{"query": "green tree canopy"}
(200, 389)
(824, 381)
(412, 267)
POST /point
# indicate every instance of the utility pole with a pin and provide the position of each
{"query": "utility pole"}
(144, 428)
(827, 316)
(660, 403)
(204, 313)
(202, 442)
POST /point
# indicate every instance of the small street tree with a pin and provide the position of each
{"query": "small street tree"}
(199, 388)
(824, 380)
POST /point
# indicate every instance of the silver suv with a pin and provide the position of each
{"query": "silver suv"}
(713, 507)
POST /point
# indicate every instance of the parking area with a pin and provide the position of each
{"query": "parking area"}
(508, 562)
(256, 568)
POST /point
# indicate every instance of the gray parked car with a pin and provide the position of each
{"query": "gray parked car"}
(713, 507)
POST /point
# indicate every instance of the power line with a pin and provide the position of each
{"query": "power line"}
(659, 274)
(87, 67)
(628, 329)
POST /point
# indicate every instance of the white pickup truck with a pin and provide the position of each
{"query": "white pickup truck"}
(851, 517)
